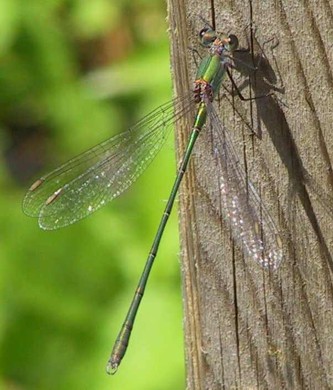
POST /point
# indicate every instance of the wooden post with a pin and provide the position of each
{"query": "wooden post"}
(247, 328)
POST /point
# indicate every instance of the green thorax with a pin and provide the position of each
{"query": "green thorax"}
(211, 70)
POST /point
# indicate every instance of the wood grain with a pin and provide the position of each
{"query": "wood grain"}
(246, 328)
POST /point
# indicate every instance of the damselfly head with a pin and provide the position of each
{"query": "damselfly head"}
(207, 36)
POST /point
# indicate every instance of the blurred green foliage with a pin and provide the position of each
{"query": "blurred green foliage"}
(72, 73)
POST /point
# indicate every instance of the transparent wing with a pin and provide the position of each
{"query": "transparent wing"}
(95, 177)
(251, 225)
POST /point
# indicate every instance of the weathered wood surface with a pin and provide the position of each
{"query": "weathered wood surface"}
(246, 328)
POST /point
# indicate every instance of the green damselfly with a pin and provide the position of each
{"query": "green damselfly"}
(87, 182)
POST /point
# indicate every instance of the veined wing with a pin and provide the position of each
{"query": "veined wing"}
(251, 225)
(87, 182)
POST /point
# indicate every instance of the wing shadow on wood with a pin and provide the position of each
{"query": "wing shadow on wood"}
(263, 82)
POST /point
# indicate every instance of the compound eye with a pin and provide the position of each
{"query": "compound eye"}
(207, 36)
(233, 42)
(203, 32)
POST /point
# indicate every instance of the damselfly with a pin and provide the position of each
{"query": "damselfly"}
(84, 184)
